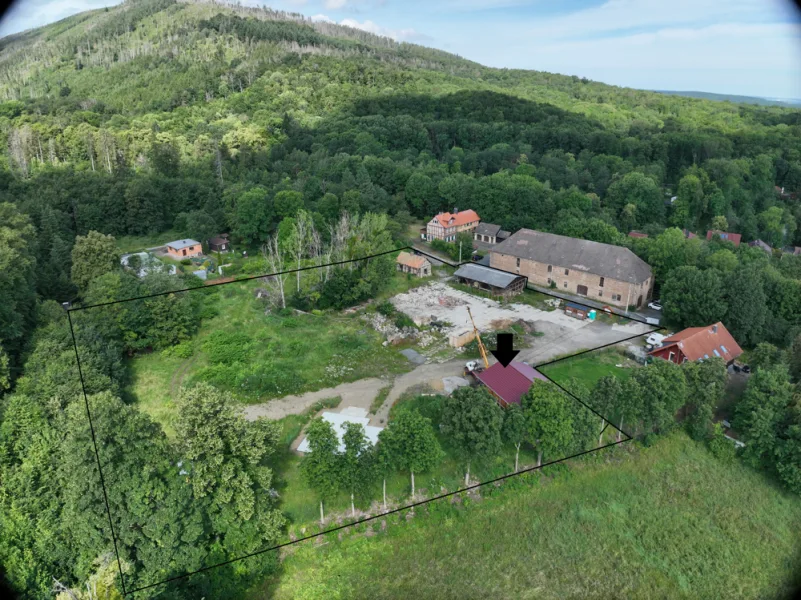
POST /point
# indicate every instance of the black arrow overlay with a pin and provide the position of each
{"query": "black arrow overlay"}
(505, 353)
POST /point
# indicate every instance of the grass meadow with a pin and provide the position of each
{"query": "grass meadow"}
(260, 356)
(667, 521)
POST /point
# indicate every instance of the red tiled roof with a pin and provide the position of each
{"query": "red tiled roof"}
(703, 342)
(461, 218)
(411, 260)
(510, 383)
(637, 234)
(688, 234)
(724, 235)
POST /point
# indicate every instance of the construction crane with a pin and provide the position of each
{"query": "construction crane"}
(481, 347)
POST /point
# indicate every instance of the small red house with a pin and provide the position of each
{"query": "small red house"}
(509, 385)
(637, 234)
(699, 343)
(734, 238)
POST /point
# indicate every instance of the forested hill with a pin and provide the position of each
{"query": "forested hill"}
(161, 115)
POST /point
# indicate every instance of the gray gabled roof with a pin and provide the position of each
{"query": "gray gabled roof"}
(493, 277)
(181, 244)
(488, 229)
(604, 260)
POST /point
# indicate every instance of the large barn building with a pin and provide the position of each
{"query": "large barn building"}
(603, 272)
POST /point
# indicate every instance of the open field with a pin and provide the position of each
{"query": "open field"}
(669, 521)
(261, 356)
(588, 368)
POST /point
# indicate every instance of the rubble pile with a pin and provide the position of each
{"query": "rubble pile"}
(388, 329)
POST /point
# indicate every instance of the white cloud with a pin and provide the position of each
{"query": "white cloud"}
(322, 19)
(396, 34)
(335, 4)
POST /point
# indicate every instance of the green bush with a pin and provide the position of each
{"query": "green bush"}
(224, 347)
(350, 341)
(290, 323)
(186, 261)
(722, 447)
(386, 308)
(403, 320)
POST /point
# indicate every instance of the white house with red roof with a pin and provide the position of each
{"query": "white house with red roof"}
(446, 225)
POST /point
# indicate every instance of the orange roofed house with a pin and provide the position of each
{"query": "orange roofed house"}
(445, 226)
(699, 343)
(414, 264)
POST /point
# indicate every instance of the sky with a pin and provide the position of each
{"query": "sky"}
(746, 47)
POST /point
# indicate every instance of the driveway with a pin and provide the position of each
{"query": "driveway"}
(558, 339)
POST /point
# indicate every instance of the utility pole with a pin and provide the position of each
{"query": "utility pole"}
(460, 251)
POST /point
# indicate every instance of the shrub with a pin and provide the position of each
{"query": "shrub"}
(403, 320)
(289, 323)
(723, 448)
(223, 347)
(552, 285)
(186, 261)
(386, 308)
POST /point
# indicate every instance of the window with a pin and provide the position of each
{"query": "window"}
(722, 347)
(602, 282)
(565, 283)
(550, 268)
(518, 262)
(600, 293)
(671, 355)
(567, 271)
(549, 281)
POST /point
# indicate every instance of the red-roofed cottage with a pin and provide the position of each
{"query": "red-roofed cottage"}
(509, 385)
(445, 226)
(734, 238)
(699, 343)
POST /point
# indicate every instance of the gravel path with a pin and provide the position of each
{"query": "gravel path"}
(358, 393)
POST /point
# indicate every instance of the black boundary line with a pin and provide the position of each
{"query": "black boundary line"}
(385, 514)
(97, 454)
(407, 507)
(212, 286)
(579, 353)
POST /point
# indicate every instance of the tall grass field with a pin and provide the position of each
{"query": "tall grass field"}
(668, 521)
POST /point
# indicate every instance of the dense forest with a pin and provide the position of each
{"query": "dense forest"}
(198, 117)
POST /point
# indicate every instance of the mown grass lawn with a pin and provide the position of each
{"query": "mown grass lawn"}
(669, 521)
(588, 368)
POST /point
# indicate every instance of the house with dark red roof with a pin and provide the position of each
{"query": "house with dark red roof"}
(699, 343)
(734, 238)
(637, 234)
(509, 384)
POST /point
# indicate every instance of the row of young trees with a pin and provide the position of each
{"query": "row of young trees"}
(473, 427)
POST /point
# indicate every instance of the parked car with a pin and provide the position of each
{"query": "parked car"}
(655, 339)
(655, 304)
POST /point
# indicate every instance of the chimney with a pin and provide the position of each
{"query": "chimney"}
(455, 210)
(714, 328)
